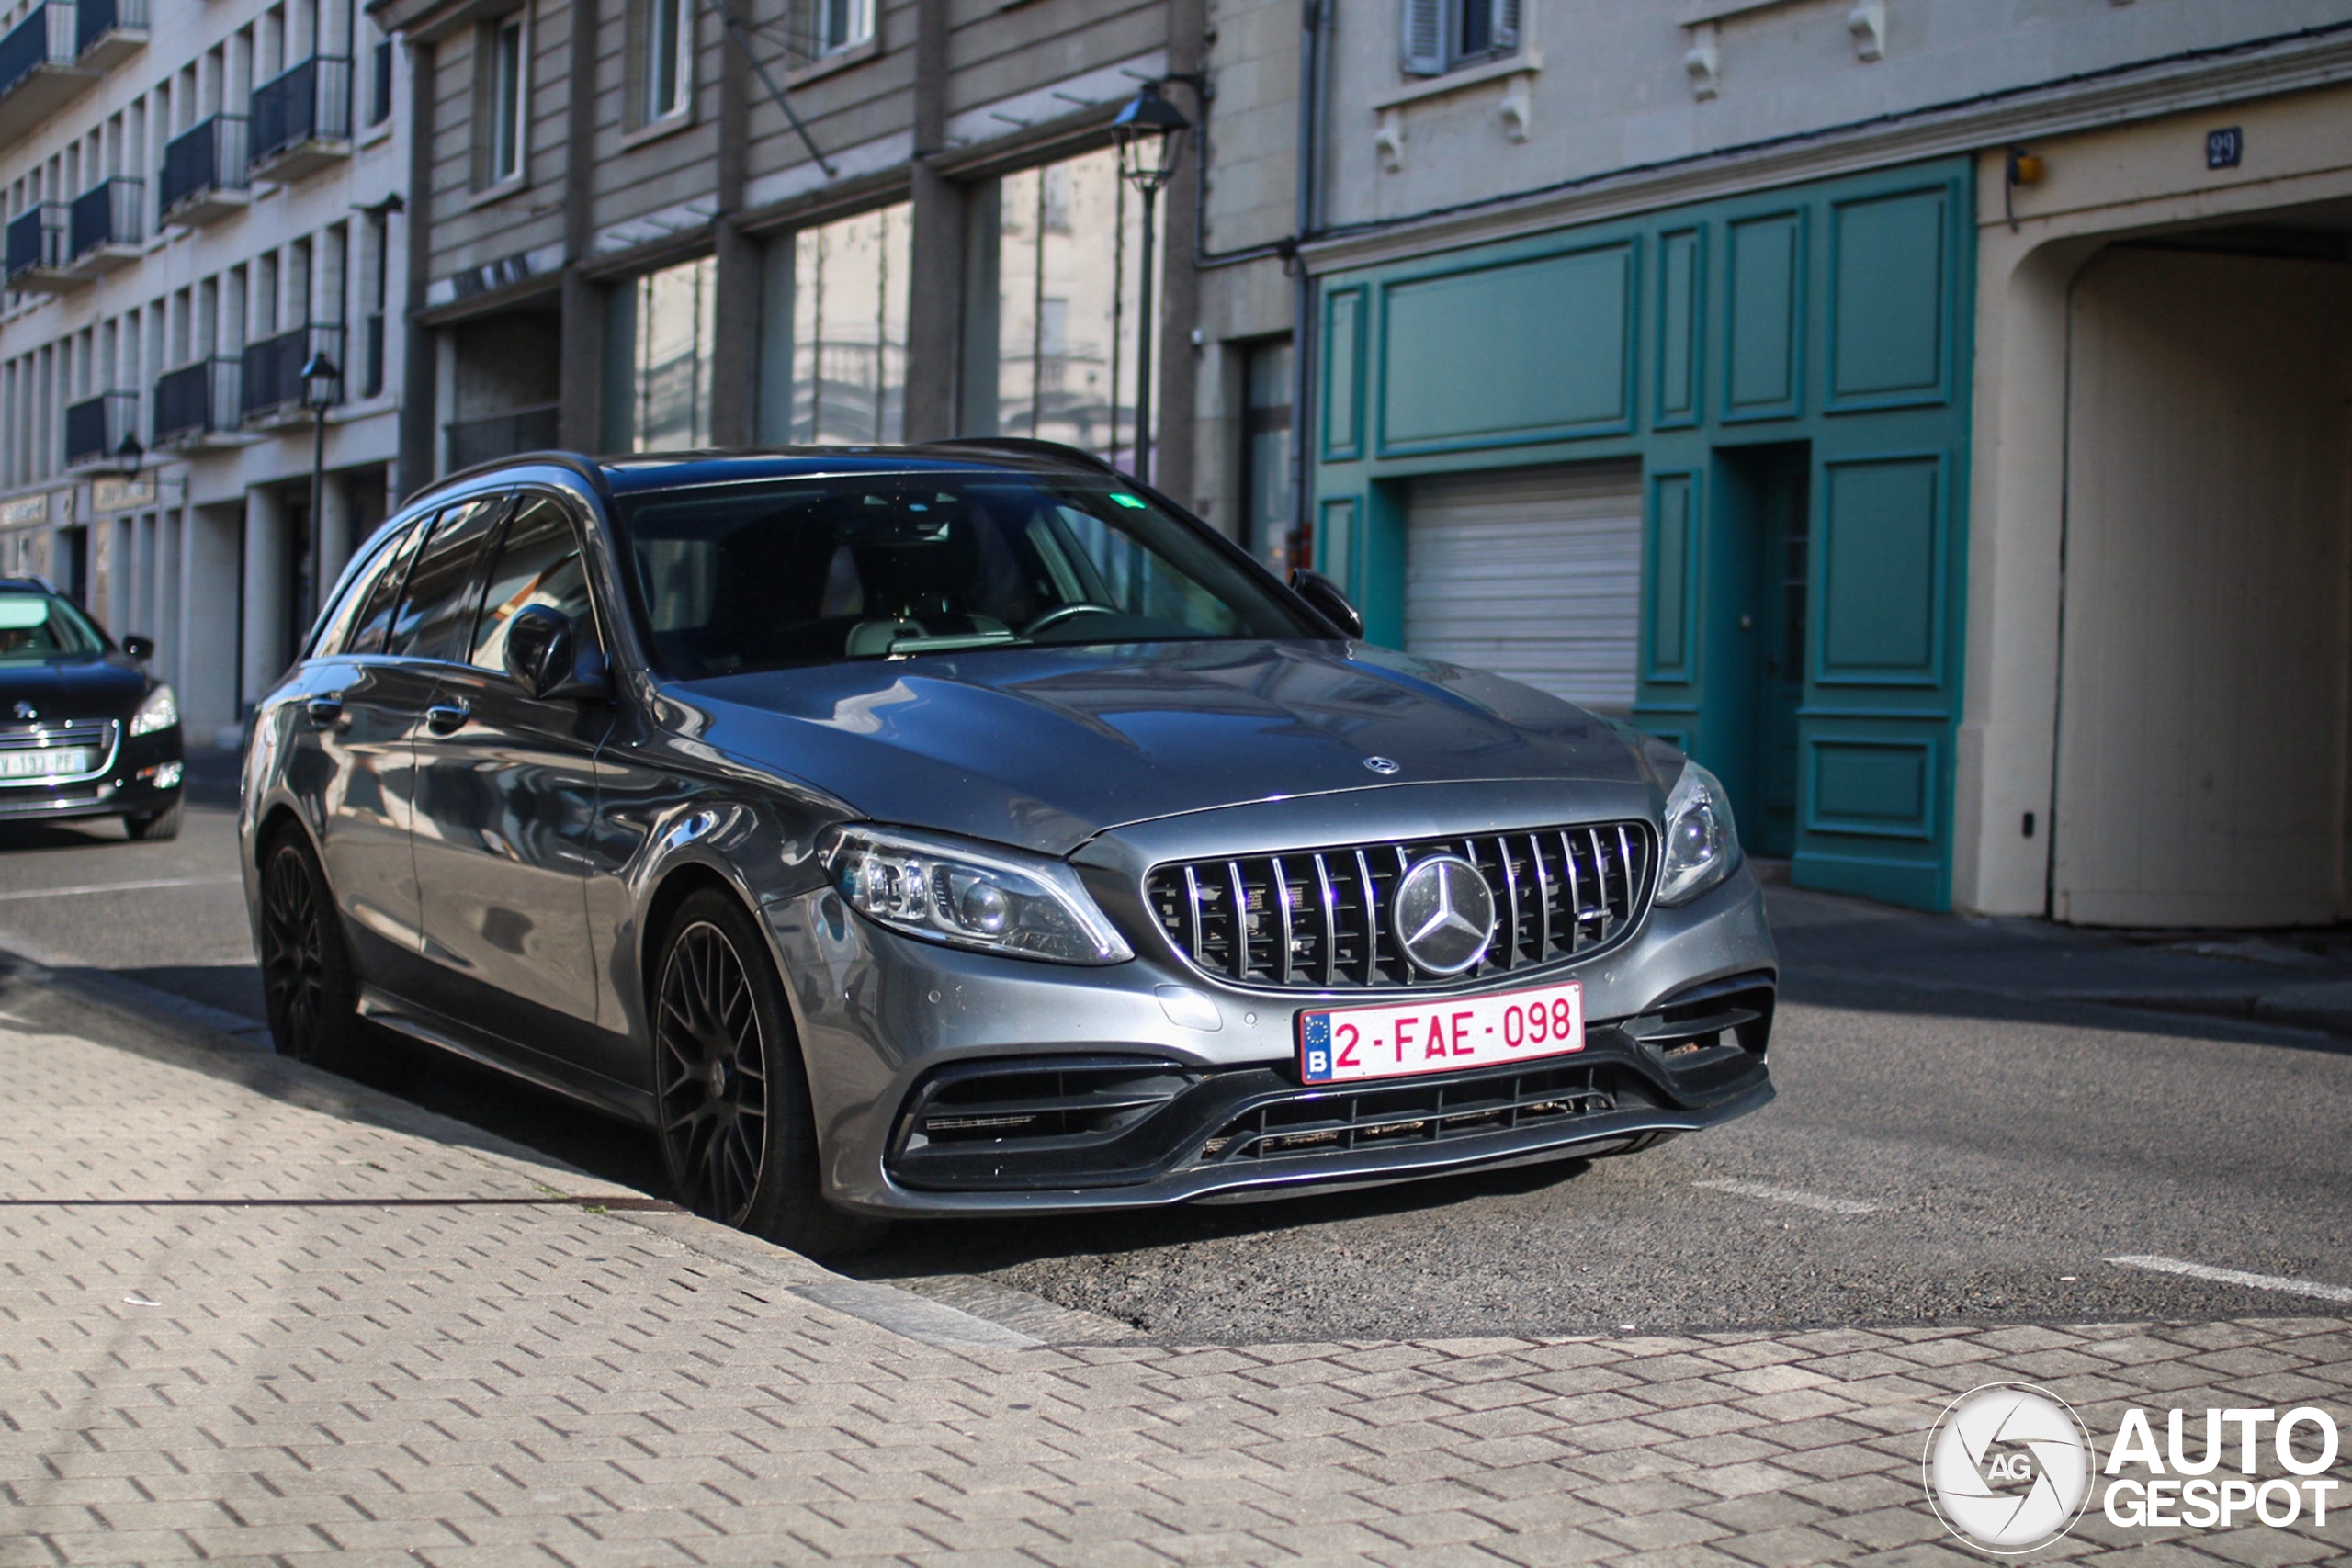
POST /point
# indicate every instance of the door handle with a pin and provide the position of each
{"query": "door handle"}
(447, 719)
(326, 710)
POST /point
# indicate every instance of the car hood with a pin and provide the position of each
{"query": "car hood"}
(71, 688)
(1045, 747)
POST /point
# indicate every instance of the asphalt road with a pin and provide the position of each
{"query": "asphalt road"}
(1943, 1149)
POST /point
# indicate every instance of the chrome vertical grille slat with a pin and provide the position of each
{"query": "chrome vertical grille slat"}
(1560, 892)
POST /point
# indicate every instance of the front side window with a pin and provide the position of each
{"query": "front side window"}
(436, 613)
(1438, 35)
(508, 105)
(538, 563)
(818, 570)
(35, 627)
(669, 57)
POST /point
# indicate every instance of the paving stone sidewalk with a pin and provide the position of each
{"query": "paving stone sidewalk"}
(250, 1312)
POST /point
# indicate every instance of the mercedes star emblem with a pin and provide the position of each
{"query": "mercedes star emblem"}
(1383, 764)
(1444, 915)
(26, 710)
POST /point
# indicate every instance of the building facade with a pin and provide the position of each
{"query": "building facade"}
(1926, 411)
(201, 201)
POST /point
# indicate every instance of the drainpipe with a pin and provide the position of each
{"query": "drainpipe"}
(1302, 343)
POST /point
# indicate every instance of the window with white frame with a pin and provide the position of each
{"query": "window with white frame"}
(1438, 35)
(666, 59)
(506, 98)
(842, 24)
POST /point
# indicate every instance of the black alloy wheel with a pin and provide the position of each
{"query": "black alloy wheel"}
(730, 1088)
(306, 972)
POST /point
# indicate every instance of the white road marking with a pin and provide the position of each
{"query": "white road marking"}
(1789, 1195)
(2239, 1276)
(120, 886)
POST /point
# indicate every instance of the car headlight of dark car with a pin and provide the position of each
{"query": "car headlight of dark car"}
(986, 897)
(160, 711)
(1700, 843)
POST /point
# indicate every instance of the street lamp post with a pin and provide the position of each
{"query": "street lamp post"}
(321, 378)
(1149, 133)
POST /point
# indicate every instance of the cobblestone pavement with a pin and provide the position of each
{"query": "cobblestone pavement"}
(249, 1312)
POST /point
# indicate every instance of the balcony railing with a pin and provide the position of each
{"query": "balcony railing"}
(98, 19)
(96, 427)
(299, 117)
(501, 435)
(196, 401)
(111, 212)
(204, 168)
(36, 239)
(46, 36)
(273, 374)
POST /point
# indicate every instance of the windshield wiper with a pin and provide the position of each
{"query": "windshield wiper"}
(952, 643)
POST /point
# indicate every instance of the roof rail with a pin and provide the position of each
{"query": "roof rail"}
(1030, 445)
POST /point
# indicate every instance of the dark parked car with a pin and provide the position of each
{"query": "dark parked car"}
(964, 829)
(84, 730)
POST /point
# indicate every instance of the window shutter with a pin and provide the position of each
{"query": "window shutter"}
(1422, 44)
(1503, 32)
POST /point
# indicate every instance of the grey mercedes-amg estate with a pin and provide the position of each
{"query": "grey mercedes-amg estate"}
(964, 829)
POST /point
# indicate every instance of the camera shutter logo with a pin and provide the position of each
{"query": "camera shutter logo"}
(2008, 1468)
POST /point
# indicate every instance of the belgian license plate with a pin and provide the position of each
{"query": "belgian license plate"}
(44, 763)
(1441, 1035)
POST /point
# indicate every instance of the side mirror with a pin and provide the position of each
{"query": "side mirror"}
(142, 649)
(1324, 594)
(544, 655)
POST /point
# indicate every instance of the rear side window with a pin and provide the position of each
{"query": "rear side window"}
(538, 563)
(436, 615)
(372, 598)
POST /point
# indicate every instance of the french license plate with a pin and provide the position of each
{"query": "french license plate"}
(1441, 1035)
(44, 763)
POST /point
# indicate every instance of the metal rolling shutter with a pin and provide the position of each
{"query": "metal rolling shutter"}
(1533, 573)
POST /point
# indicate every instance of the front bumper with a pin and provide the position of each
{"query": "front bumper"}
(1154, 1111)
(145, 774)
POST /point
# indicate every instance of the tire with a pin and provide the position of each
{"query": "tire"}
(729, 1087)
(307, 984)
(155, 827)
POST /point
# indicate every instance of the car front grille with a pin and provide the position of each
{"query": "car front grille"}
(98, 734)
(1316, 920)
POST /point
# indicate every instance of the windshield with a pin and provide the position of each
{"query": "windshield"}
(34, 627)
(756, 576)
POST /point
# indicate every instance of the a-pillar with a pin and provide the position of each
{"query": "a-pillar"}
(265, 591)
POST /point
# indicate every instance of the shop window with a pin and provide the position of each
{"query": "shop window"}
(659, 336)
(1266, 456)
(1058, 259)
(834, 348)
(1439, 35)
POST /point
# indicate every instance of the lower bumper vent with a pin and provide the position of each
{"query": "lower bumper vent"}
(1385, 1117)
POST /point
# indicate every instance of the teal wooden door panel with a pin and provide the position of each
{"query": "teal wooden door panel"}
(1669, 575)
(1538, 350)
(1890, 305)
(1879, 568)
(1681, 326)
(1765, 292)
(1872, 785)
(1343, 321)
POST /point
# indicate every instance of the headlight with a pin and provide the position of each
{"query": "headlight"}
(995, 900)
(1700, 847)
(160, 711)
